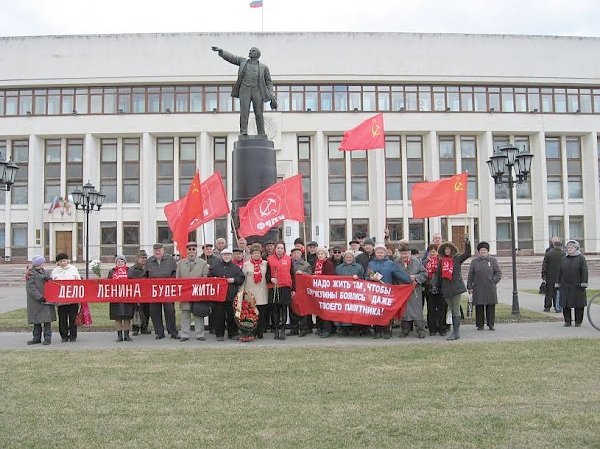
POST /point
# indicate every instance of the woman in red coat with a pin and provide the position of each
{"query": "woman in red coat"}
(279, 274)
(323, 266)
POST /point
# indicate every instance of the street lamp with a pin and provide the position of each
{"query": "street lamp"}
(503, 164)
(86, 200)
(8, 171)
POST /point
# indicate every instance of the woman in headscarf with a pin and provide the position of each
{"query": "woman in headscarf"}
(121, 312)
(255, 271)
(484, 274)
(572, 280)
(449, 280)
(39, 312)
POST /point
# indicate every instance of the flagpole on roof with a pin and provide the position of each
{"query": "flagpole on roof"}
(262, 18)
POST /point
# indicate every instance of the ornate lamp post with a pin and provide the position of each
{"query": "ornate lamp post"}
(508, 166)
(86, 200)
(8, 171)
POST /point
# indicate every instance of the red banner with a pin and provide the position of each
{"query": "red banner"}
(348, 300)
(136, 290)
(281, 201)
(444, 197)
(368, 135)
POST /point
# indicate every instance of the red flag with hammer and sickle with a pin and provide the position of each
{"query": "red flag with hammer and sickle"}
(281, 201)
(368, 135)
(444, 197)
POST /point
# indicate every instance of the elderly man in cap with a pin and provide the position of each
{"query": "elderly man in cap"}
(238, 257)
(311, 253)
(368, 253)
(136, 271)
(225, 268)
(191, 267)
(162, 265)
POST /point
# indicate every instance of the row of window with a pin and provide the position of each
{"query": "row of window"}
(339, 234)
(321, 97)
(348, 172)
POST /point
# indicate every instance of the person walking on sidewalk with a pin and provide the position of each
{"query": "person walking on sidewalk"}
(552, 261)
(449, 280)
(572, 280)
(484, 275)
(121, 312)
(66, 312)
(39, 312)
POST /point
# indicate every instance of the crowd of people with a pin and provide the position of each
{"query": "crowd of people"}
(267, 274)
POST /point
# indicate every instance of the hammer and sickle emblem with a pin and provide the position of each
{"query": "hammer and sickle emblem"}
(375, 129)
(267, 207)
(458, 186)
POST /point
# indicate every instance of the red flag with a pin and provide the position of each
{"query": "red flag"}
(184, 216)
(369, 135)
(281, 201)
(214, 198)
(444, 197)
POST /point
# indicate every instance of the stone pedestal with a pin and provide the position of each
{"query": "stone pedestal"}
(254, 169)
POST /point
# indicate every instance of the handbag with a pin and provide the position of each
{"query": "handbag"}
(84, 316)
(201, 308)
(543, 288)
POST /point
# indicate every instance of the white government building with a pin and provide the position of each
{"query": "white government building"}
(136, 114)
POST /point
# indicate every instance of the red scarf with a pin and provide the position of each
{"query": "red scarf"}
(431, 267)
(257, 272)
(319, 266)
(447, 267)
(119, 273)
(239, 263)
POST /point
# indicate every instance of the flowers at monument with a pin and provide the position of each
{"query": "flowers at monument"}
(96, 268)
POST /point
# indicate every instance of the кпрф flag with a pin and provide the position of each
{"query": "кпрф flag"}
(368, 135)
(444, 197)
(281, 201)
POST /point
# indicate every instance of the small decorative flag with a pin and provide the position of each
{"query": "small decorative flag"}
(256, 4)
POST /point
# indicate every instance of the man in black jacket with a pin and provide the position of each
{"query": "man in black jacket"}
(162, 265)
(552, 261)
(368, 255)
(136, 271)
(225, 268)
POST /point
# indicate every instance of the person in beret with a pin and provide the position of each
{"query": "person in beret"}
(484, 275)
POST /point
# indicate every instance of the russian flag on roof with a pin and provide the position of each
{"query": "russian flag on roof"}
(256, 4)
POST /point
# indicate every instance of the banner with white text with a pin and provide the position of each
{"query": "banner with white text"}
(136, 290)
(348, 300)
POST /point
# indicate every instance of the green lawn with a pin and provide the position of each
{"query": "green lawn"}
(536, 394)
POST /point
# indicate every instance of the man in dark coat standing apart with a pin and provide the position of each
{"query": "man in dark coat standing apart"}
(552, 262)
(253, 85)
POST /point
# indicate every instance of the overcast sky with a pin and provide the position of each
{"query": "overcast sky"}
(549, 17)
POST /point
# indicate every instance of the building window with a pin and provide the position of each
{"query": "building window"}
(131, 170)
(221, 228)
(416, 232)
(414, 161)
(523, 190)
(187, 163)
(576, 231)
(337, 170)
(393, 168)
(468, 154)
(525, 233)
(74, 164)
(47, 241)
(131, 238)
(165, 236)
(575, 183)
(447, 154)
(52, 170)
(359, 175)
(164, 169)
(20, 156)
(554, 168)
(220, 165)
(501, 190)
(2, 240)
(503, 238)
(556, 226)
(337, 233)
(395, 226)
(108, 240)
(108, 169)
(360, 225)
(304, 154)
(18, 247)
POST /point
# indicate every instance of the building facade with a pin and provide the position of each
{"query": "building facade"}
(136, 115)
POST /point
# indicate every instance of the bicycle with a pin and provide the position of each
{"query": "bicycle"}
(593, 311)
